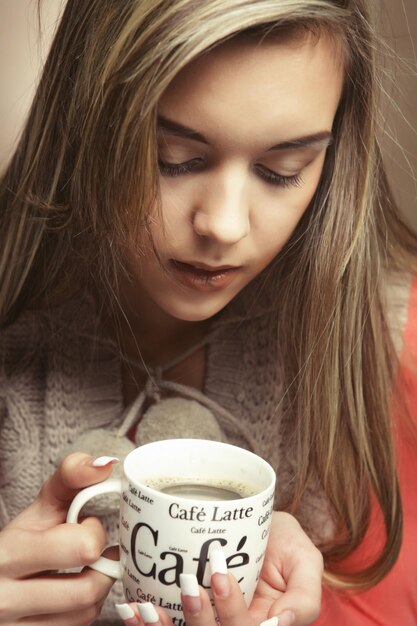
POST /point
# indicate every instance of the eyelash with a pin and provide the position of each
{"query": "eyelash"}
(278, 180)
(177, 169)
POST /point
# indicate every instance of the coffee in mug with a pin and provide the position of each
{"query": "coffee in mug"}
(203, 489)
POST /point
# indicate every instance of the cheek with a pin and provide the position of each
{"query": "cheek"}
(299, 198)
(176, 203)
(166, 228)
(285, 214)
(312, 176)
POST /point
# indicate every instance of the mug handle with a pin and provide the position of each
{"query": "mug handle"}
(111, 485)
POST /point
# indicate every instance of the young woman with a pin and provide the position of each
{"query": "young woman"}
(197, 232)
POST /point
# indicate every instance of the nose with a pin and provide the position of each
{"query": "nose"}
(221, 213)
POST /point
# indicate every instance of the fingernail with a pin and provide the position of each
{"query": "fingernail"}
(287, 618)
(190, 593)
(102, 461)
(272, 621)
(220, 583)
(147, 612)
(125, 611)
(218, 563)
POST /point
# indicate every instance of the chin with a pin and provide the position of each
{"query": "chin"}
(192, 312)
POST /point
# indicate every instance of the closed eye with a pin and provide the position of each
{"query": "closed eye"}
(196, 164)
(276, 179)
(177, 169)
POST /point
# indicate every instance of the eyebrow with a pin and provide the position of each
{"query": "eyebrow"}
(175, 128)
(324, 137)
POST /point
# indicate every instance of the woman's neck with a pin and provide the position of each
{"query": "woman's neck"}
(153, 338)
(147, 333)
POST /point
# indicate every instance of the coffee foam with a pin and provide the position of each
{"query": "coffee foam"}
(227, 488)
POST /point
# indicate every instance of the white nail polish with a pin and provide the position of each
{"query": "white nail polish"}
(147, 612)
(272, 621)
(125, 611)
(218, 563)
(101, 461)
(189, 585)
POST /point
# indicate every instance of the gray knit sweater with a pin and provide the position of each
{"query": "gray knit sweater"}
(59, 380)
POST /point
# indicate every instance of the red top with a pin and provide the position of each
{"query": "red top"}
(394, 599)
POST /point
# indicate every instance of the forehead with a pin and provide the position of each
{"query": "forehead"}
(290, 82)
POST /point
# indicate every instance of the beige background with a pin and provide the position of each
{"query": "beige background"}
(22, 54)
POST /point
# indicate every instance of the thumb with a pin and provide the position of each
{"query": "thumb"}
(75, 472)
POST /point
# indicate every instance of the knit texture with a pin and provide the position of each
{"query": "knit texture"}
(58, 381)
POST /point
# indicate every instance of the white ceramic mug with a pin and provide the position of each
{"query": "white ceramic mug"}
(168, 528)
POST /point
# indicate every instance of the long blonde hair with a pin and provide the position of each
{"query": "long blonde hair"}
(85, 173)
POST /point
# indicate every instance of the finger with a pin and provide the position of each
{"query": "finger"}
(73, 618)
(128, 614)
(287, 618)
(152, 616)
(50, 507)
(230, 605)
(74, 473)
(296, 609)
(71, 592)
(196, 604)
(303, 575)
(61, 547)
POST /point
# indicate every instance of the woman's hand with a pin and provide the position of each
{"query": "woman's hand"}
(289, 587)
(38, 541)
(291, 575)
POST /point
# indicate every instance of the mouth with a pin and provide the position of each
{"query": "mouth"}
(203, 277)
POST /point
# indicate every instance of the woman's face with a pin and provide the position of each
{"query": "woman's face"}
(243, 133)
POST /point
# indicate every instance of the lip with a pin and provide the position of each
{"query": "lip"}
(204, 266)
(202, 277)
